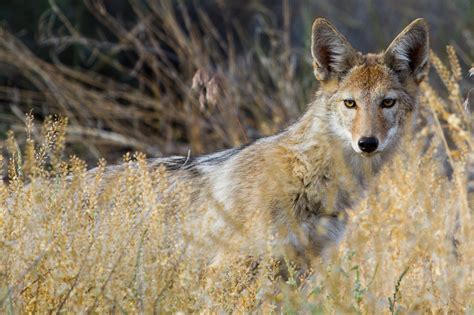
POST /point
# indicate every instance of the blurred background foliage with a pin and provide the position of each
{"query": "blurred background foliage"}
(122, 71)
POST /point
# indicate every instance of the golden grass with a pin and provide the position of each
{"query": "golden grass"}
(69, 242)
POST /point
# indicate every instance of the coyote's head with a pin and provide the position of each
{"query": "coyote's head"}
(370, 96)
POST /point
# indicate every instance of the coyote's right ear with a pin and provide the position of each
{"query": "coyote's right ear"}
(408, 53)
(332, 53)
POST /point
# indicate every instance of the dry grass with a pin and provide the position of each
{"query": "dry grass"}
(67, 244)
(140, 76)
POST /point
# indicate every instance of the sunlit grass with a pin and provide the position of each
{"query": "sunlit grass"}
(79, 241)
(75, 241)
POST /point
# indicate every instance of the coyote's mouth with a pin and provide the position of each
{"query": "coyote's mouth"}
(369, 155)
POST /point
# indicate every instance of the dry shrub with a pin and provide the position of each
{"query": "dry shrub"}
(139, 74)
(68, 243)
(72, 242)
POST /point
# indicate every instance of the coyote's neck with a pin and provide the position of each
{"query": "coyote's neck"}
(324, 156)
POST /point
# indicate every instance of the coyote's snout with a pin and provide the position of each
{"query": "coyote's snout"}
(290, 192)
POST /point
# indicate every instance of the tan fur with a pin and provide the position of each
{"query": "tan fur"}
(290, 192)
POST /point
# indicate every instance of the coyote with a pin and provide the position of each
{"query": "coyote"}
(290, 192)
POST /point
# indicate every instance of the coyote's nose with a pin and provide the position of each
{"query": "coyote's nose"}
(368, 144)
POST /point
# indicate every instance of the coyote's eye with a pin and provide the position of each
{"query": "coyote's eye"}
(388, 102)
(350, 103)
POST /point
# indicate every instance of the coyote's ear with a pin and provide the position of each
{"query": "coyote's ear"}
(332, 53)
(408, 53)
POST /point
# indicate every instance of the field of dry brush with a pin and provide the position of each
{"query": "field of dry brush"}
(67, 244)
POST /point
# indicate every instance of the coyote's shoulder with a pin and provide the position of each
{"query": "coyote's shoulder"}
(290, 192)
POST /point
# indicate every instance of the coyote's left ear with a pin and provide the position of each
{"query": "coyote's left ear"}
(409, 51)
